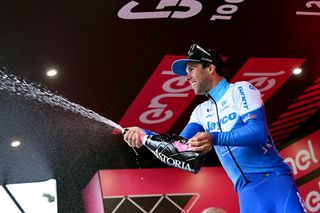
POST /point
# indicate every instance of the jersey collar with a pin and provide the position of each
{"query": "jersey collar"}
(219, 90)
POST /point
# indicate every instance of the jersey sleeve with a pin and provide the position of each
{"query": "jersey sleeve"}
(251, 111)
(247, 97)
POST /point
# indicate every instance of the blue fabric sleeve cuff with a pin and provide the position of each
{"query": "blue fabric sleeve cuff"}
(214, 137)
(149, 132)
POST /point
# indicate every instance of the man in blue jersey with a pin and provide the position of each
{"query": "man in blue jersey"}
(232, 121)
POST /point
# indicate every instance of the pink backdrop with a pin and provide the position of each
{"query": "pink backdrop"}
(209, 188)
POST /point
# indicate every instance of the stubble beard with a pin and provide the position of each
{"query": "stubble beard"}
(199, 90)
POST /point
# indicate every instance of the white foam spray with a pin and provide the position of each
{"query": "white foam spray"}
(17, 86)
(20, 87)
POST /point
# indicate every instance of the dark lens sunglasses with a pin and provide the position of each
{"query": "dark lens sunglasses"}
(194, 48)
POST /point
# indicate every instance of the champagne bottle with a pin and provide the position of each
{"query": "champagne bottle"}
(174, 151)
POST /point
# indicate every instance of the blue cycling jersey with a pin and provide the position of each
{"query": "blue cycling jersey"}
(235, 118)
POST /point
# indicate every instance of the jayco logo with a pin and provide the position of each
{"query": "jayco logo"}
(164, 10)
(215, 125)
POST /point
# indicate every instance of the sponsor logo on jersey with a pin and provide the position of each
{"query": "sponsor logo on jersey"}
(215, 125)
(252, 87)
(267, 146)
(243, 98)
(249, 116)
(224, 106)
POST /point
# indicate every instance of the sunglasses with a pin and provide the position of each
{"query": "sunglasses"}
(194, 48)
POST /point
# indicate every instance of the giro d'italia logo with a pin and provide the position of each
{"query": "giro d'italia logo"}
(156, 203)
